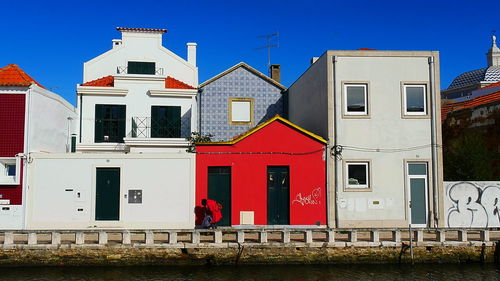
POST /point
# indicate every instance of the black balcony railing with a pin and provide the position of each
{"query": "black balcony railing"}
(124, 70)
(147, 127)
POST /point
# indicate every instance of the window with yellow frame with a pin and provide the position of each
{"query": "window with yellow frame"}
(240, 111)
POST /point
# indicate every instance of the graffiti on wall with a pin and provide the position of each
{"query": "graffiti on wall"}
(473, 204)
(311, 199)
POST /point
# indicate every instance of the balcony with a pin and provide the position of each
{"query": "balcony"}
(147, 127)
(125, 70)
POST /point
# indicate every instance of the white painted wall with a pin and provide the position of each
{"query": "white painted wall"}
(167, 181)
(142, 46)
(49, 128)
(472, 204)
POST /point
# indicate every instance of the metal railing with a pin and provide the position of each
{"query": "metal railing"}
(231, 237)
(124, 70)
(147, 127)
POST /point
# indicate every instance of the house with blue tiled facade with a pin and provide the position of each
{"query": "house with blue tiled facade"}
(238, 99)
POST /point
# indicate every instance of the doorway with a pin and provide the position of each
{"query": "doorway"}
(417, 184)
(278, 195)
(219, 189)
(107, 196)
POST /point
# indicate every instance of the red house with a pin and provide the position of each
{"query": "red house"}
(274, 174)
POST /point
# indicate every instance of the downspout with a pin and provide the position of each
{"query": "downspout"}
(433, 144)
(335, 177)
(80, 117)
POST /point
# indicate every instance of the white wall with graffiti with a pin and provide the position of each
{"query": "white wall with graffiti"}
(472, 204)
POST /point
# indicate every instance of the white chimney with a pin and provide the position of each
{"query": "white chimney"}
(116, 42)
(191, 53)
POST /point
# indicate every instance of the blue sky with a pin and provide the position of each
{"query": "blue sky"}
(51, 40)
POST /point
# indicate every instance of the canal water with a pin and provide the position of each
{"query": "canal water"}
(460, 272)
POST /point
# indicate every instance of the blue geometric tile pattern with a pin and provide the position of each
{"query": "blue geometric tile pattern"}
(239, 83)
(489, 74)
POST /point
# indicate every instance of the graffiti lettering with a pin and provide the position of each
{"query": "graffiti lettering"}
(473, 205)
(311, 199)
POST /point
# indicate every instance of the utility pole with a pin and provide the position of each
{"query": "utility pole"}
(269, 45)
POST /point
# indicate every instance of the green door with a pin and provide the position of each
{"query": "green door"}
(417, 177)
(278, 196)
(107, 205)
(219, 189)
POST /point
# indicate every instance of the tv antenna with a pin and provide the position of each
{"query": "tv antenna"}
(269, 45)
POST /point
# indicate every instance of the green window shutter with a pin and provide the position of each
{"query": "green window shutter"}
(155, 122)
(139, 67)
(174, 121)
(98, 127)
(121, 122)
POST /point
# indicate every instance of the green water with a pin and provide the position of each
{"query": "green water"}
(262, 272)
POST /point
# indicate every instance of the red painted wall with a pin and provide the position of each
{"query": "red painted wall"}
(249, 173)
(12, 112)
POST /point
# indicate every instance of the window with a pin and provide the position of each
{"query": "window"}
(357, 175)
(355, 99)
(140, 67)
(240, 111)
(414, 100)
(109, 123)
(165, 121)
(9, 170)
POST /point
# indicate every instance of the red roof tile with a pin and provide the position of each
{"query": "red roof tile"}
(13, 75)
(172, 83)
(141, 29)
(469, 104)
(491, 85)
(366, 49)
(108, 81)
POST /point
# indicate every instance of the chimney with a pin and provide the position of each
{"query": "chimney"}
(191, 49)
(275, 72)
(314, 59)
(116, 42)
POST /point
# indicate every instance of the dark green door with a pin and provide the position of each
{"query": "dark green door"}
(219, 189)
(417, 177)
(107, 198)
(278, 196)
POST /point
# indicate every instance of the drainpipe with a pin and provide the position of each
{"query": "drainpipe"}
(335, 177)
(433, 143)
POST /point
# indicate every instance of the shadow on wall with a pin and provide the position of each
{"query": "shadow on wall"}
(273, 109)
(186, 124)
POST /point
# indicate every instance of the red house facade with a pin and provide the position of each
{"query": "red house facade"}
(274, 174)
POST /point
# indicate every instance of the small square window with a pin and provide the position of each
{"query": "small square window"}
(9, 170)
(240, 111)
(415, 100)
(357, 175)
(356, 99)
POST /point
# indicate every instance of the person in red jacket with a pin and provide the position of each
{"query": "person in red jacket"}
(212, 213)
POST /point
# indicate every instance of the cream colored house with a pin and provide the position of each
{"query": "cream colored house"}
(380, 111)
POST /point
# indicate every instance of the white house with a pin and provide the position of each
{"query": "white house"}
(131, 169)
(33, 119)
(380, 111)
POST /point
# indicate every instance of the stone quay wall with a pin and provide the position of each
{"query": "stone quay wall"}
(246, 246)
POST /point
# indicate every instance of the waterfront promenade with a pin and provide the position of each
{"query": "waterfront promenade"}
(246, 246)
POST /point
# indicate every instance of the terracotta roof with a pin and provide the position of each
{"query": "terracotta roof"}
(108, 81)
(141, 29)
(366, 49)
(13, 75)
(172, 83)
(262, 125)
(491, 85)
(469, 104)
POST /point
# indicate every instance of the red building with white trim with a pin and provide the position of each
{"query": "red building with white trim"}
(273, 174)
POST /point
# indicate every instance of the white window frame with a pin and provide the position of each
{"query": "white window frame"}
(405, 109)
(360, 187)
(408, 186)
(10, 180)
(356, 113)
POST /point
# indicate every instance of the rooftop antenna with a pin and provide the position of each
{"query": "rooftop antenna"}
(269, 45)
